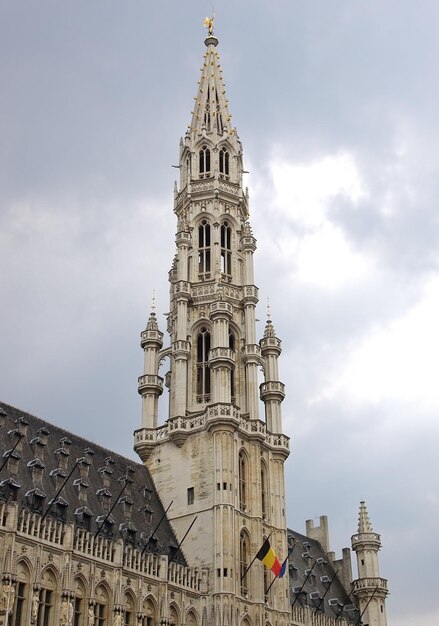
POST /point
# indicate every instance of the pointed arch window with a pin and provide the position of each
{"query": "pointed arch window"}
(188, 171)
(264, 490)
(226, 250)
(173, 615)
(242, 471)
(204, 163)
(203, 371)
(129, 611)
(232, 373)
(204, 250)
(224, 158)
(101, 607)
(243, 562)
(149, 618)
(46, 599)
(207, 119)
(219, 117)
(22, 598)
(79, 606)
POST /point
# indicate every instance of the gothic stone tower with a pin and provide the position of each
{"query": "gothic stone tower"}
(214, 458)
(369, 589)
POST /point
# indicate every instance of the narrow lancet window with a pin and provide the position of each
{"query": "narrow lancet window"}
(204, 165)
(204, 250)
(243, 562)
(232, 373)
(224, 163)
(203, 371)
(264, 491)
(101, 607)
(219, 117)
(207, 120)
(242, 468)
(226, 250)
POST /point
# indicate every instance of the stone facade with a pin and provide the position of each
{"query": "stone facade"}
(88, 538)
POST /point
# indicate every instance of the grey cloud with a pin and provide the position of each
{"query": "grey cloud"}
(94, 99)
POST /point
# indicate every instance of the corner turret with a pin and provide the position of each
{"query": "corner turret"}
(272, 390)
(369, 589)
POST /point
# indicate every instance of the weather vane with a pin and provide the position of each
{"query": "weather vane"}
(208, 23)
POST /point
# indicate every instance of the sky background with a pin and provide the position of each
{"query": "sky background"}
(336, 104)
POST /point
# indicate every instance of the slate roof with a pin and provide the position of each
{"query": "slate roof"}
(102, 481)
(321, 588)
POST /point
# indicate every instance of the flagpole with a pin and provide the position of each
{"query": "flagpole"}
(156, 528)
(324, 595)
(341, 610)
(114, 504)
(185, 535)
(52, 502)
(304, 582)
(20, 435)
(288, 556)
(374, 592)
(254, 558)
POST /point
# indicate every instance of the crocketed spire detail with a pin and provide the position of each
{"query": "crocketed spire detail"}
(364, 525)
(211, 112)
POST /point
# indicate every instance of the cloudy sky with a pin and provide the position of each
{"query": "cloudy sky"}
(337, 107)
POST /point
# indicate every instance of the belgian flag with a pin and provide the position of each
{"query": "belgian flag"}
(268, 557)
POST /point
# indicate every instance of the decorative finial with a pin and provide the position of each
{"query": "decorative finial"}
(208, 23)
(153, 302)
(268, 309)
(210, 40)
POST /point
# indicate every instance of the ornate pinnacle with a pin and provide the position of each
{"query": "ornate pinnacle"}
(269, 328)
(152, 321)
(364, 525)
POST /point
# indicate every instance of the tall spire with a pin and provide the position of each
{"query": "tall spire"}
(211, 113)
(225, 454)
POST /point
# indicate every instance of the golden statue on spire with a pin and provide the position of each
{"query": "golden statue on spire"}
(208, 23)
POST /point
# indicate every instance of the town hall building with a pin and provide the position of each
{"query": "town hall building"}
(90, 538)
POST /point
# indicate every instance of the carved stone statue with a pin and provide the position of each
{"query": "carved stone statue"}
(66, 612)
(4, 597)
(117, 619)
(34, 610)
(10, 606)
(91, 615)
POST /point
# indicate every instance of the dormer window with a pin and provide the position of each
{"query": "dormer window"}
(224, 163)
(105, 526)
(83, 517)
(9, 489)
(58, 508)
(35, 498)
(128, 532)
(204, 165)
(127, 505)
